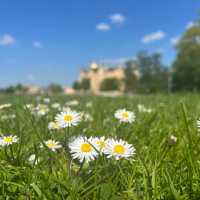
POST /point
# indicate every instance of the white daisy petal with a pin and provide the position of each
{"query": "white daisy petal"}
(82, 149)
(119, 149)
(52, 145)
(125, 116)
(8, 140)
(68, 118)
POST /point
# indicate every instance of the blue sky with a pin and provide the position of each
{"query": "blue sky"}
(43, 41)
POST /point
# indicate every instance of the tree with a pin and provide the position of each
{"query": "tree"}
(153, 74)
(76, 85)
(15, 89)
(131, 80)
(186, 68)
(82, 85)
(54, 88)
(110, 84)
(85, 84)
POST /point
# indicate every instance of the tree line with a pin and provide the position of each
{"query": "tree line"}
(153, 76)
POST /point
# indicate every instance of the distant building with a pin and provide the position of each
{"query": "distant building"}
(69, 90)
(97, 73)
(34, 90)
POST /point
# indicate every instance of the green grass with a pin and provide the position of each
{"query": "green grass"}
(159, 170)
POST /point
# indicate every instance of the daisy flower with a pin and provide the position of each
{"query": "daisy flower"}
(125, 116)
(52, 145)
(46, 100)
(172, 140)
(198, 124)
(87, 117)
(119, 149)
(7, 105)
(81, 148)
(42, 110)
(28, 106)
(32, 159)
(53, 126)
(89, 104)
(142, 108)
(100, 143)
(8, 140)
(56, 106)
(6, 117)
(68, 118)
(72, 103)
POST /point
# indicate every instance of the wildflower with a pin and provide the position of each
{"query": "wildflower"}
(32, 159)
(5, 117)
(46, 100)
(53, 126)
(100, 143)
(56, 106)
(72, 103)
(52, 145)
(141, 108)
(8, 140)
(28, 106)
(87, 117)
(172, 140)
(89, 104)
(198, 124)
(40, 110)
(125, 116)
(119, 149)
(7, 105)
(68, 118)
(82, 149)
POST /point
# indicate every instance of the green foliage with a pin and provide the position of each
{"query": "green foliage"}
(76, 85)
(54, 88)
(85, 84)
(153, 74)
(159, 170)
(131, 80)
(14, 89)
(82, 85)
(186, 68)
(110, 84)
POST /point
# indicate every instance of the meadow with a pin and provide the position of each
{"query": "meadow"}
(164, 135)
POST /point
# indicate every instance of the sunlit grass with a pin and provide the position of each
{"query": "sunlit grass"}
(162, 167)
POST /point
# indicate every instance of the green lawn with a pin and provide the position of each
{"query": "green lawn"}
(160, 169)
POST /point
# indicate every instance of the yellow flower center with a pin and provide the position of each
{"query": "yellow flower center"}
(68, 118)
(7, 139)
(118, 148)
(85, 147)
(51, 145)
(125, 114)
(102, 144)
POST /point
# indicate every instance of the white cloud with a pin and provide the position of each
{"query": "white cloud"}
(37, 44)
(153, 37)
(174, 41)
(7, 40)
(117, 18)
(103, 27)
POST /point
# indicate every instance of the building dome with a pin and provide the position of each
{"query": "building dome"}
(94, 66)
